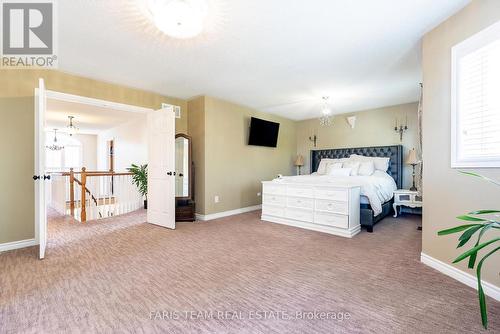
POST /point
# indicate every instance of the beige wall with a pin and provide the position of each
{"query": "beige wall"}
(130, 142)
(89, 150)
(233, 169)
(196, 129)
(446, 192)
(17, 161)
(17, 126)
(373, 128)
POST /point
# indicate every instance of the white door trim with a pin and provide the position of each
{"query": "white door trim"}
(54, 95)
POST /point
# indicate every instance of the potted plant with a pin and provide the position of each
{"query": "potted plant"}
(478, 222)
(140, 179)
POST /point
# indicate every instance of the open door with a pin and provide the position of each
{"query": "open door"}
(161, 167)
(39, 177)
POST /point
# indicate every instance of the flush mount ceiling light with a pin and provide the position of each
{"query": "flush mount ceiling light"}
(179, 18)
(326, 118)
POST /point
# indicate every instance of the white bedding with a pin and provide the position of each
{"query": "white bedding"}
(378, 187)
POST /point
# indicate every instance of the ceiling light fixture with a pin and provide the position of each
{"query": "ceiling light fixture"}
(179, 18)
(325, 119)
(54, 146)
(72, 129)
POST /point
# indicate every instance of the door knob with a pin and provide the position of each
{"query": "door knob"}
(169, 173)
(36, 177)
(46, 177)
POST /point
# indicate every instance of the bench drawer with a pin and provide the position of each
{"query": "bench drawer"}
(298, 214)
(331, 219)
(300, 202)
(299, 191)
(273, 199)
(333, 195)
(273, 211)
(275, 189)
(332, 206)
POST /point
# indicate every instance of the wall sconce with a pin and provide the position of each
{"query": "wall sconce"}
(351, 120)
(401, 129)
(313, 138)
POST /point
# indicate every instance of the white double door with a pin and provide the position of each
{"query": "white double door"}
(161, 167)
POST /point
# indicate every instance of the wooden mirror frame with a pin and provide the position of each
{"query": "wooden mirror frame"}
(190, 163)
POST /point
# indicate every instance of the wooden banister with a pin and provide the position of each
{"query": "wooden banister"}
(85, 191)
(72, 192)
(83, 176)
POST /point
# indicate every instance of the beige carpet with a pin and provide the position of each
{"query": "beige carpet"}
(123, 275)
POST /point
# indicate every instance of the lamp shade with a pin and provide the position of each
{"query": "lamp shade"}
(299, 161)
(412, 158)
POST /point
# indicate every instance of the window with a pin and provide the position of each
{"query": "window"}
(475, 105)
(69, 157)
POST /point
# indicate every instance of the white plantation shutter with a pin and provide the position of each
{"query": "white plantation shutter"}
(476, 100)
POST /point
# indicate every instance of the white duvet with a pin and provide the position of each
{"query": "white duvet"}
(378, 187)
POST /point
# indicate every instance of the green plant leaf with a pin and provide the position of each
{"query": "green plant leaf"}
(482, 212)
(482, 298)
(465, 237)
(456, 229)
(475, 249)
(471, 219)
(472, 259)
(481, 176)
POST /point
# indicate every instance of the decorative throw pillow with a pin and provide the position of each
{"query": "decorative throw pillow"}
(380, 163)
(353, 165)
(366, 168)
(333, 165)
(339, 172)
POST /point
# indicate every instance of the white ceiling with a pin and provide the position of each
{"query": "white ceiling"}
(88, 119)
(278, 56)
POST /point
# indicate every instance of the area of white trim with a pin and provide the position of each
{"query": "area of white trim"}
(227, 213)
(17, 244)
(490, 290)
(50, 94)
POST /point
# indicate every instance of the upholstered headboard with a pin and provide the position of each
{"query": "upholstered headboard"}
(395, 153)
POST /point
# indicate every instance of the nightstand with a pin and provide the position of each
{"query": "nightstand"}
(407, 198)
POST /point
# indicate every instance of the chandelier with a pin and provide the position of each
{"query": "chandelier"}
(54, 146)
(72, 129)
(326, 117)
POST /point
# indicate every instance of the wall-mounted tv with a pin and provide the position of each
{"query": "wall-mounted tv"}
(263, 133)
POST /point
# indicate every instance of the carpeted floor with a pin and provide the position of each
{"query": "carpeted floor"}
(231, 275)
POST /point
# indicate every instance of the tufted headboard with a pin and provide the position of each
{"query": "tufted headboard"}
(395, 153)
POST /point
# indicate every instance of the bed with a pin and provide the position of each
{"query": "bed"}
(368, 218)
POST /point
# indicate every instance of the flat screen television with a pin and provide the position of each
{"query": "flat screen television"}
(263, 133)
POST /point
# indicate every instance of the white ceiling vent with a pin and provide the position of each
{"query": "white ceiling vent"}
(177, 109)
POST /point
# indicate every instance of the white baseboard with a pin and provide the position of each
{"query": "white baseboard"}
(490, 290)
(17, 244)
(227, 213)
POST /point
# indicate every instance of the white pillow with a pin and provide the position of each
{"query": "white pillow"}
(323, 164)
(339, 172)
(333, 165)
(380, 163)
(353, 165)
(366, 168)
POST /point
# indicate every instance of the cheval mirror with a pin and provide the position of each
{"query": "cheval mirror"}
(184, 179)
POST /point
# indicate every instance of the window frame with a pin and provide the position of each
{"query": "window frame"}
(471, 44)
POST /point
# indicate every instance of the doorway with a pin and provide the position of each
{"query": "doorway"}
(68, 181)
